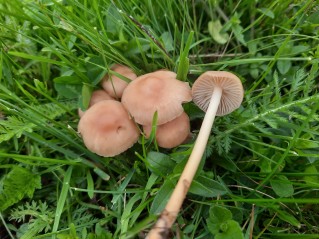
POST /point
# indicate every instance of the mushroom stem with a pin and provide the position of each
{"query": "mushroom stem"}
(169, 214)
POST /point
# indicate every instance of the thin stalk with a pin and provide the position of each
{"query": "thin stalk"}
(175, 202)
(6, 227)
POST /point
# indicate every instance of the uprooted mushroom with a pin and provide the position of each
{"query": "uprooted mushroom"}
(217, 93)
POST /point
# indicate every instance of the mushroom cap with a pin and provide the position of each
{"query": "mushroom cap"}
(116, 86)
(157, 91)
(172, 133)
(232, 91)
(107, 129)
(97, 96)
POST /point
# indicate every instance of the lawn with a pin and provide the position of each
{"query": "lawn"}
(258, 177)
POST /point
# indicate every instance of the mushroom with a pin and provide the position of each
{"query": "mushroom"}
(107, 129)
(157, 91)
(172, 133)
(222, 83)
(97, 96)
(217, 93)
(114, 85)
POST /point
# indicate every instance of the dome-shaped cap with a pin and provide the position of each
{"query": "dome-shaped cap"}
(172, 133)
(157, 91)
(232, 91)
(115, 86)
(107, 129)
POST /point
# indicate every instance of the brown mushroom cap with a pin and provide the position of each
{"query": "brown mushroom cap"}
(116, 86)
(157, 91)
(107, 129)
(172, 133)
(97, 96)
(232, 91)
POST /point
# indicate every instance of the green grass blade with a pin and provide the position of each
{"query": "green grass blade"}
(62, 199)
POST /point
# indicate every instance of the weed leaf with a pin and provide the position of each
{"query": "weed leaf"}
(160, 163)
(285, 216)
(220, 224)
(17, 184)
(214, 29)
(162, 197)
(282, 186)
(207, 187)
(283, 66)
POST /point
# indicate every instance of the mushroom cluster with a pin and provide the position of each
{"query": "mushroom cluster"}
(160, 92)
(109, 127)
(106, 127)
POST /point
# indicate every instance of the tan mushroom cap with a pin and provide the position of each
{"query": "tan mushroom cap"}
(107, 129)
(157, 91)
(116, 86)
(172, 133)
(97, 96)
(232, 91)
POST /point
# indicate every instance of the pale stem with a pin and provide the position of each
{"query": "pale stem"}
(175, 202)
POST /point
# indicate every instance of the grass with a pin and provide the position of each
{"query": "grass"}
(261, 164)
